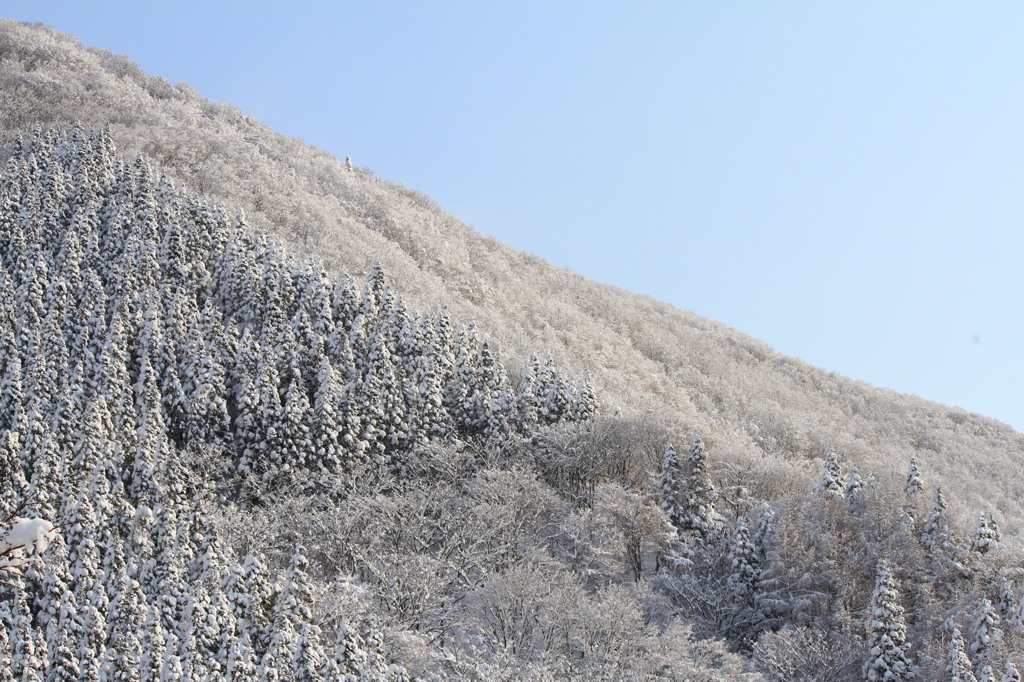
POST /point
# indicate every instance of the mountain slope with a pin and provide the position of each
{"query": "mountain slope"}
(761, 410)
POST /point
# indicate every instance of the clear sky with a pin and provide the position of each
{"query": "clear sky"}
(842, 180)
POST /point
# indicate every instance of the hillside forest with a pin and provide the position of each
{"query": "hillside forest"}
(222, 458)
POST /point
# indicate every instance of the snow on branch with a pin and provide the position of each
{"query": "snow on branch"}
(22, 541)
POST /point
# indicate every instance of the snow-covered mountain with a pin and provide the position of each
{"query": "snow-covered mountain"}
(253, 451)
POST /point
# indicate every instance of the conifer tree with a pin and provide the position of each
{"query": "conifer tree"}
(93, 607)
(887, 639)
(28, 660)
(459, 396)
(294, 442)
(698, 506)
(671, 498)
(491, 394)
(291, 609)
(558, 403)
(1007, 604)
(15, 489)
(205, 383)
(935, 533)
(585, 403)
(986, 534)
(158, 658)
(853, 491)
(240, 666)
(526, 400)
(831, 484)
(151, 443)
(128, 613)
(6, 655)
(959, 665)
(913, 485)
(745, 569)
(329, 405)
(350, 660)
(986, 637)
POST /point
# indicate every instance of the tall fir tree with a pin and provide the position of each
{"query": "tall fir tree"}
(698, 509)
(888, 649)
(958, 665)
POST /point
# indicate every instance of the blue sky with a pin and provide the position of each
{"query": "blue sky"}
(842, 180)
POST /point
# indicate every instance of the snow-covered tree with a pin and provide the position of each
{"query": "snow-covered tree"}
(888, 648)
(699, 515)
(671, 496)
(913, 484)
(935, 532)
(745, 569)
(986, 637)
(986, 534)
(831, 483)
(959, 665)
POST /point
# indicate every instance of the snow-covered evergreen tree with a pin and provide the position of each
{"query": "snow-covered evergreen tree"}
(671, 497)
(913, 484)
(986, 534)
(888, 648)
(935, 532)
(959, 665)
(986, 636)
(831, 484)
(699, 515)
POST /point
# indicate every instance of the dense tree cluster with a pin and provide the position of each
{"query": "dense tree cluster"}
(258, 471)
(646, 357)
(154, 352)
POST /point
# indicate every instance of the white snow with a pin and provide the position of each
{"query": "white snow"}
(25, 537)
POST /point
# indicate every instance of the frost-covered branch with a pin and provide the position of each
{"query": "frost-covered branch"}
(22, 541)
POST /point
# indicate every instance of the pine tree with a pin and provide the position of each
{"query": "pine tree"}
(959, 666)
(831, 484)
(986, 637)
(128, 613)
(671, 498)
(15, 490)
(699, 515)
(350, 660)
(558, 403)
(986, 534)
(585, 403)
(329, 405)
(887, 639)
(492, 394)
(526, 396)
(291, 609)
(28, 659)
(745, 568)
(93, 607)
(205, 383)
(151, 444)
(913, 484)
(1007, 604)
(853, 491)
(240, 665)
(6, 654)
(294, 442)
(935, 533)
